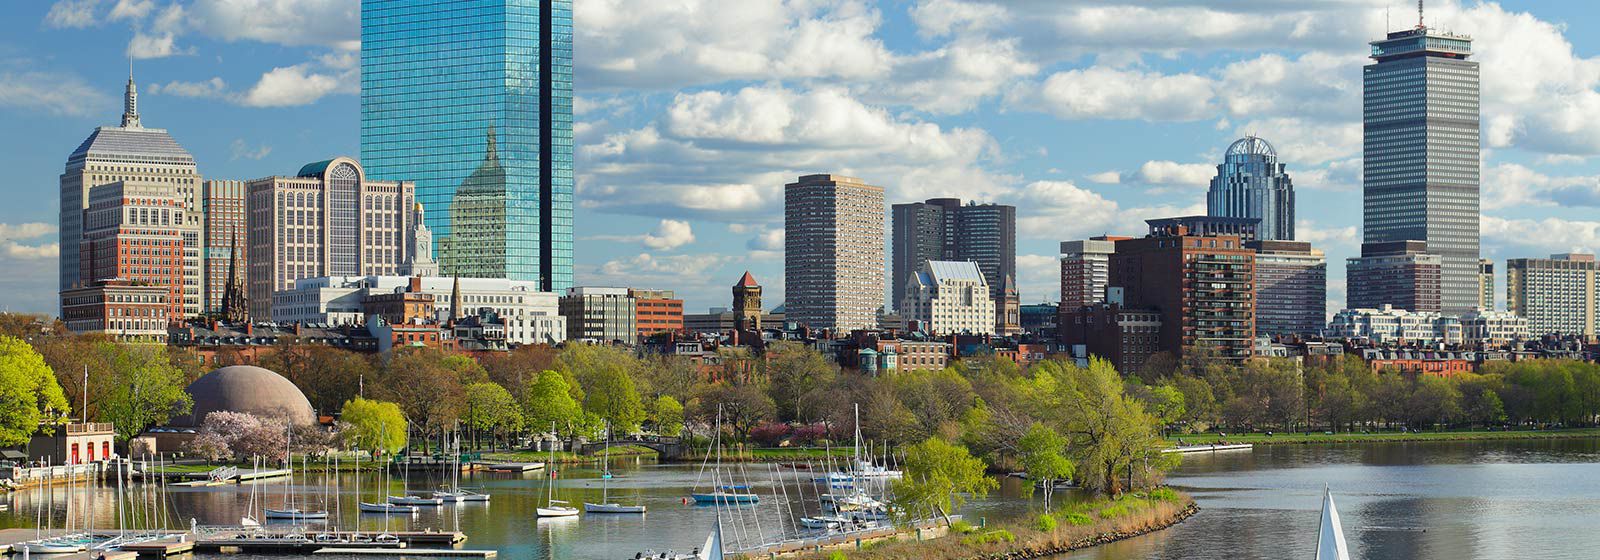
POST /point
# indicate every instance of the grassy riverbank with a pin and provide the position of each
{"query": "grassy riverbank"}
(1073, 527)
(1374, 437)
(617, 452)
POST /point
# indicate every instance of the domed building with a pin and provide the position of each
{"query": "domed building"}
(248, 389)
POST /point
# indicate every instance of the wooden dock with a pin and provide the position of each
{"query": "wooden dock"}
(312, 541)
(434, 552)
(177, 543)
(1210, 448)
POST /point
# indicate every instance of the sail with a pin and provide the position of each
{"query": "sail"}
(713, 548)
(1330, 541)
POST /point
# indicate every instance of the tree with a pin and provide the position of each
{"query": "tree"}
(1043, 457)
(429, 392)
(794, 371)
(239, 435)
(145, 389)
(668, 416)
(328, 376)
(29, 393)
(742, 407)
(606, 375)
(517, 369)
(1487, 408)
(940, 476)
(375, 425)
(491, 409)
(548, 401)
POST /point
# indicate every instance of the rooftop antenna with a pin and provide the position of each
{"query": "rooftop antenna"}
(1420, 25)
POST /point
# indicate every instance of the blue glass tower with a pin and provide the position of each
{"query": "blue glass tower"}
(1251, 183)
(472, 100)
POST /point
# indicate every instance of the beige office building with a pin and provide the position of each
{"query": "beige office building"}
(833, 252)
(1556, 295)
(330, 219)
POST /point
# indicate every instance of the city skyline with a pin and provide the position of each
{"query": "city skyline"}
(680, 183)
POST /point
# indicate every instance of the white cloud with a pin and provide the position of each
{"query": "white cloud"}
(72, 14)
(1060, 210)
(56, 94)
(1107, 93)
(769, 240)
(1309, 231)
(954, 77)
(1513, 238)
(330, 23)
(1174, 173)
(31, 252)
(213, 87)
(669, 234)
(1302, 142)
(1105, 177)
(1315, 84)
(294, 85)
(154, 45)
(1038, 278)
(243, 150)
(11, 234)
(131, 9)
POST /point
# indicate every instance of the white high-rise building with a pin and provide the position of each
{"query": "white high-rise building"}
(1557, 295)
(834, 252)
(945, 297)
(1085, 271)
(530, 316)
(419, 254)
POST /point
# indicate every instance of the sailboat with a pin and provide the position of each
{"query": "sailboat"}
(1330, 539)
(289, 511)
(722, 493)
(606, 505)
(554, 507)
(712, 550)
(409, 499)
(382, 507)
(457, 494)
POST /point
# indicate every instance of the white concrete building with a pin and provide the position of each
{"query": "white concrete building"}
(530, 316)
(1495, 327)
(1387, 324)
(1085, 271)
(948, 298)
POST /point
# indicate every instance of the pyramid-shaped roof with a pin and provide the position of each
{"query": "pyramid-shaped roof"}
(747, 281)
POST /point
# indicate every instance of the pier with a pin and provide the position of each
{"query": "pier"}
(1209, 448)
(308, 542)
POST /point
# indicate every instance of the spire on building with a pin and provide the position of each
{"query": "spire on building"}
(235, 304)
(130, 102)
(493, 151)
(455, 300)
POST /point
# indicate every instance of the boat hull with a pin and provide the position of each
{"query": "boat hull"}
(725, 498)
(556, 512)
(611, 508)
(368, 507)
(295, 514)
(415, 501)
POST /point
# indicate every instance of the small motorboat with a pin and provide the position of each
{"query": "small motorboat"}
(556, 508)
(415, 501)
(49, 546)
(471, 496)
(296, 514)
(823, 522)
(369, 507)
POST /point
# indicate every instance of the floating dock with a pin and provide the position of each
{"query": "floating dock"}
(1210, 448)
(433, 552)
(311, 541)
(512, 467)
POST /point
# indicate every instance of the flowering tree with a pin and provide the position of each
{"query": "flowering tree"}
(242, 435)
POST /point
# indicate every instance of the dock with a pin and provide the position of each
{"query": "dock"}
(309, 542)
(433, 552)
(1210, 448)
(176, 543)
(512, 467)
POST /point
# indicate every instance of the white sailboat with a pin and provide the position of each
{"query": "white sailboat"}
(606, 505)
(409, 499)
(712, 550)
(381, 507)
(554, 507)
(289, 511)
(1330, 539)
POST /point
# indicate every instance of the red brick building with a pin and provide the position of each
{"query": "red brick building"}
(657, 311)
(128, 310)
(1202, 286)
(134, 232)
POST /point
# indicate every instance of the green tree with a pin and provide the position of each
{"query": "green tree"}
(29, 394)
(1043, 457)
(145, 389)
(1487, 409)
(548, 400)
(794, 372)
(425, 387)
(742, 407)
(668, 416)
(939, 476)
(328, 376)
(491, 409)
(375, 425)
(606, 376)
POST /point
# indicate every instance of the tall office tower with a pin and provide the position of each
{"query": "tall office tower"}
(1486, 284)
(747, 303)
(327, 220)
(833, 252)
(134, 155)
(1420, 152)
(1556, 295)
(426, 112)
(1402, 274)
(222, 209)
(419, 247)
(1251, 183)
(1291, 288)
(1086, 271)
(1159, 272)
(942, 229)
(135, 232)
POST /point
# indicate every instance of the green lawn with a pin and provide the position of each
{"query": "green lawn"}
(565, 456)
(1357, 437)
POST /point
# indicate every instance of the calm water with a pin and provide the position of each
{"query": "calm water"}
(1439, 501)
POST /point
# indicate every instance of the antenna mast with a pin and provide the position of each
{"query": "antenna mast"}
(1420, 25)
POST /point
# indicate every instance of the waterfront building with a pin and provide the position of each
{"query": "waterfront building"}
(946, 297)
(1392, 325)
(1086, 270)
(1291, 288)
(1251, 183)
(128, 311)
(135, 232)
(1201, 284)
(658, 311)
(1486, 284)
(1420, 153)
(530, 316)
(833, 252)
(223, 219)
(330, 219)
(137, 157)
(485, 124)
(1402, 274)
(1557, 295)
(598, 314)
(747, 303)
(943, 229)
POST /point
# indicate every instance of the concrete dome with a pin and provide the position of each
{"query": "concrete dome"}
(250, 389)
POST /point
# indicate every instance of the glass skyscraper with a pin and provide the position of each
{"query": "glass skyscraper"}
(472, 100)
(1251, 183)
(1420, 153)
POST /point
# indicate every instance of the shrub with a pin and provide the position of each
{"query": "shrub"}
(811, 434)
(1046, 522)
(769, 434)
(995, 536)
(1164, 495)
(1079, 519)
(837, 555)
(961, 526)
(1114, 511)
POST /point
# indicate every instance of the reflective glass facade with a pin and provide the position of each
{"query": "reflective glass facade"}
(1420, 151)
(1251, 183)
(476, 94)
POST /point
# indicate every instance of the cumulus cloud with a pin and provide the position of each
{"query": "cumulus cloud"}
(153, 45)
(1174, 173)
(329, 23)
(131, 9)
(50, 92)
(1537, 237)
(289, 86)
(954, 77)
(12, 234)
(243, 150)
(1320, 237)
(669, 234)
(213, 87)
(72, 14)
(1109, 93)
(1105, 177)
(769, 240)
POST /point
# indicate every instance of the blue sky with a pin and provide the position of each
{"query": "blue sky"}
(1089, 115)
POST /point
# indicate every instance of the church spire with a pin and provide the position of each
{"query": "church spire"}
(235, 304)
(493, 151)
(130, 101)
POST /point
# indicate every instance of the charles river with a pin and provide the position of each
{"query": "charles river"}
(1424, 501)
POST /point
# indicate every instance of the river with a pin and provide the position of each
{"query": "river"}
(1424, 501)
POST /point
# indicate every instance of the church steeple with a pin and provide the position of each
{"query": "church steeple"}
(235, 304)
(493, 151)
(130, 102)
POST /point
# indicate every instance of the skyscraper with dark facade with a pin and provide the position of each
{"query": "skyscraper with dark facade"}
(833, 252)
(1251, 183)
(491, 114)
(1420, 153)
(1291, 288)
(942, 229)
(1402, 274)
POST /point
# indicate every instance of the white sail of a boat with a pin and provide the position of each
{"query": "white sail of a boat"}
(1330, 540)
(713, 548)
